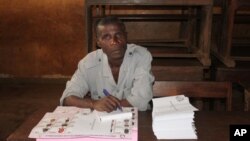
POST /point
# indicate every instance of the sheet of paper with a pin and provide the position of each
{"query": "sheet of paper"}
(72, 110)
(134, 138)
(72, 122)
(104, 116)
(54, 124)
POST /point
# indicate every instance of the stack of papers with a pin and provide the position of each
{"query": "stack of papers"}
(80, 124)
(173, 118)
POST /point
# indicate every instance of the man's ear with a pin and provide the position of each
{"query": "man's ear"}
(98, 43)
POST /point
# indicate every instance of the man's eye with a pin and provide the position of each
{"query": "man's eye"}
(106, 37)
(119, 35)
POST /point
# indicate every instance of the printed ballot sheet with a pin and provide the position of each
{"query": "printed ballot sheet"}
(73, 122)
(134, 138)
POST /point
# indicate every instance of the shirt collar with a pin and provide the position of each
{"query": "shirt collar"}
(124, 67)
(105, 64)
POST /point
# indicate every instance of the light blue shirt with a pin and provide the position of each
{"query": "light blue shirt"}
(134, 82)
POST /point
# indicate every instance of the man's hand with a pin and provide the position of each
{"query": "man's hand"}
(108, 104)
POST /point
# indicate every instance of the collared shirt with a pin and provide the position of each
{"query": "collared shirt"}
(134, 82)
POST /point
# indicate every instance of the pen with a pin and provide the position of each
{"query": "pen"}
(106, 93)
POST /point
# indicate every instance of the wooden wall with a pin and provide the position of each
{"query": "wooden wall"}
(46, 38)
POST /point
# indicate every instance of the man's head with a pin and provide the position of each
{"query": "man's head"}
(112, 37)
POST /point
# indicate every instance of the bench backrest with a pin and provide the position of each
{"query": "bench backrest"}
(195, 89)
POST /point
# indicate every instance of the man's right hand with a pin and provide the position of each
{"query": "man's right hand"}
(108, 104)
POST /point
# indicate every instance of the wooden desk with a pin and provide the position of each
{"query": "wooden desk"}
(210, 125)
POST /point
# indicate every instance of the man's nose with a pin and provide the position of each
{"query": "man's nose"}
(114, 40)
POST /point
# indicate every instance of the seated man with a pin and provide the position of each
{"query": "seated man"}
(124, 70)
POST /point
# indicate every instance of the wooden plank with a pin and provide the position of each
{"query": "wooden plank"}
(239, 73)
(246, 86)
(150, 2)
(178, 69)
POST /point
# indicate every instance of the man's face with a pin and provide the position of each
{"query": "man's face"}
(113, 41)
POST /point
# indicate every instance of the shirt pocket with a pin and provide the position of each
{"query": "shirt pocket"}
(127, 92)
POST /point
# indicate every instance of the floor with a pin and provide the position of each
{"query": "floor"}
(19, 100)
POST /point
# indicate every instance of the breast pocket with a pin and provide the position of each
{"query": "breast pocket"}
(126, 92)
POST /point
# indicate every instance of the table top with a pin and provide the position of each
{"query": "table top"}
(210, 125)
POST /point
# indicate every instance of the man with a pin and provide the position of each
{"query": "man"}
(124, 70)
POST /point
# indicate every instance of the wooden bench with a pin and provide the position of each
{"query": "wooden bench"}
(196, 14)
(239, 75)
(230, 49)
(198, 90)
(178, 70)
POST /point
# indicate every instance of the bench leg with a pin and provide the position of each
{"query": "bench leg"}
(247, 99)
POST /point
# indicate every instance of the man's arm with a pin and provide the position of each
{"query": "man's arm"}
(125, 103)
(77, 88)
(108, 103)
(78, 102)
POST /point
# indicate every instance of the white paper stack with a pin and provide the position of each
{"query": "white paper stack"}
(173, 118)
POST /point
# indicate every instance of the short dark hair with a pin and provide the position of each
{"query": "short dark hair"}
(109, 20)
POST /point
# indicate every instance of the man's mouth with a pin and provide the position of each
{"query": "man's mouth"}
(116, 51)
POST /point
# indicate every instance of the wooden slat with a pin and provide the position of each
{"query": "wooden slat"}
(150, 2)
(152, 17)
(246, 86)
(178, 69)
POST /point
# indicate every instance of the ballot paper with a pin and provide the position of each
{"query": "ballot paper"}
(173, 118)
(73, 122)
(134, 138)
(117, 114)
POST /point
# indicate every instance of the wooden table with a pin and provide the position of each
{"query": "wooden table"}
(211, 126)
